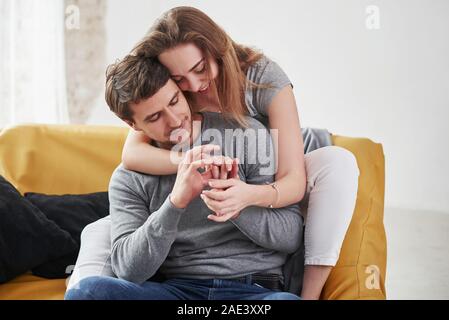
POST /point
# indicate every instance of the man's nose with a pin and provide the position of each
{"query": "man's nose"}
(173, 120)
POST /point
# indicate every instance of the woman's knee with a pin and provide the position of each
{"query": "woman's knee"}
(342, 159)
(331, 161)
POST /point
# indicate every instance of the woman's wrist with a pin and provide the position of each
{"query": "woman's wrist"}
(262, 195)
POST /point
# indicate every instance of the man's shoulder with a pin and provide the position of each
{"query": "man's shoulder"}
(121, 172)
(124, 178)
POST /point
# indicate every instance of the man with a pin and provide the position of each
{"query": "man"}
(161, 224)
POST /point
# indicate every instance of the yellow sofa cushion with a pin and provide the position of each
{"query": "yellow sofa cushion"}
(71, 159)
(30, 287)
(59, 159)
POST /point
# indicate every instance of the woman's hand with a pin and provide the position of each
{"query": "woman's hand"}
(227, 198)
(227, 170)
(223, 218)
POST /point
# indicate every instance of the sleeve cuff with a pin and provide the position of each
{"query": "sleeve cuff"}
(169, 215)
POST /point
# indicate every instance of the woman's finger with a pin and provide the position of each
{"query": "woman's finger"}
(215, 172)
(221, 184)
(217, 195)
(223, 171)
(228, 162)
(235, 169)
(211, 204)
(222, 218)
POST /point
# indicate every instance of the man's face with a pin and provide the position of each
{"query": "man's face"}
(165, 117)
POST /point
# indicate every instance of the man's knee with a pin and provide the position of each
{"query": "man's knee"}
(91, 288)
(282, 296)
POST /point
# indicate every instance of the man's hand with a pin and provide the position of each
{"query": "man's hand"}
(189, 181)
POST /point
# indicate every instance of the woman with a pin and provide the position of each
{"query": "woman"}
(220, 75)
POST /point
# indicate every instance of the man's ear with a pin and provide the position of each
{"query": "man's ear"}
(132, 124)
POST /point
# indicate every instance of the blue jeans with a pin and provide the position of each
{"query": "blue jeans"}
(109, 288)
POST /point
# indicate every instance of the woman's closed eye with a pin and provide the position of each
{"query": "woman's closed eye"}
(201, 68)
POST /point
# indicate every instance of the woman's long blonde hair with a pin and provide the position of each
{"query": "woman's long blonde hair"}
(182, 25)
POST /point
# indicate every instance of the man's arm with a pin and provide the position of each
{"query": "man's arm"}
(141, 240)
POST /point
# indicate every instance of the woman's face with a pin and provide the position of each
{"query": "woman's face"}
(187, 66)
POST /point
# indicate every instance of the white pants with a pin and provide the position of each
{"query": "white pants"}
(94, 257)
(329, 202)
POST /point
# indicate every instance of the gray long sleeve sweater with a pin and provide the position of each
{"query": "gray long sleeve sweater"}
(148, 233)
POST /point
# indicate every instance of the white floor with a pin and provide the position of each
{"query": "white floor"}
(418, 254)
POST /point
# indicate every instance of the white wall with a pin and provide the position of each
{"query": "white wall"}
(389, 84)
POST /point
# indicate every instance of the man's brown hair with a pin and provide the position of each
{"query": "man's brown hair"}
(131, 80)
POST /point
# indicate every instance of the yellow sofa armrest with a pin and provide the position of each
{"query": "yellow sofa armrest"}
(361, 268)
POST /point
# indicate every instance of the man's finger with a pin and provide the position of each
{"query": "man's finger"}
(206, 176)
(195, 165)
(199, 152)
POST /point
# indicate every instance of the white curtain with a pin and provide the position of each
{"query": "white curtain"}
(32, 68)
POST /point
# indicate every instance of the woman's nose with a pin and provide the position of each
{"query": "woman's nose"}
(194, 85)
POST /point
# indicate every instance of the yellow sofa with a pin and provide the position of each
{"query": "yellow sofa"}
(74, 159)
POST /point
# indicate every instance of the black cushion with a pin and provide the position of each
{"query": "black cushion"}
(27, 237)
(71, 213)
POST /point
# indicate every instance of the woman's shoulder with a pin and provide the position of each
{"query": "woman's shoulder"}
(265, 70)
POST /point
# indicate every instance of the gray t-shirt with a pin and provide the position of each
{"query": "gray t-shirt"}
(268, 73)
(148, 233)
(264, 72)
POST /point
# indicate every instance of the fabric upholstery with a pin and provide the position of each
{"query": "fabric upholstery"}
(70, 159)
(27, 237)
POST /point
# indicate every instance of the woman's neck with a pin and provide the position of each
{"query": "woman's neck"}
(207, 103)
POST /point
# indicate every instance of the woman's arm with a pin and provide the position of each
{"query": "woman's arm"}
(289, 147)
(139, 155)
(290, 178)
